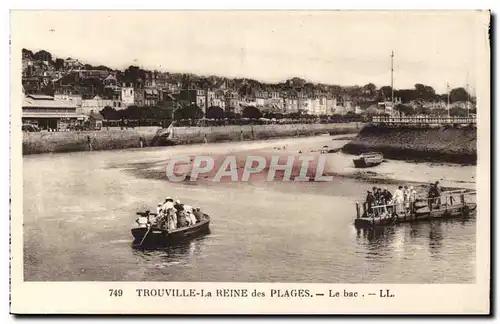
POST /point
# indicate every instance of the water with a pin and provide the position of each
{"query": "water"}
(79, 209)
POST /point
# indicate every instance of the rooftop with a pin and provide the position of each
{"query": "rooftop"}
(44, 101)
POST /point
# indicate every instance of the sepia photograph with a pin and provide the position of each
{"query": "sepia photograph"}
(255, 147)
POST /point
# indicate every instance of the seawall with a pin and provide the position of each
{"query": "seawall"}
(115, 138)
(191, 135)
(112, 139)
(443, 144)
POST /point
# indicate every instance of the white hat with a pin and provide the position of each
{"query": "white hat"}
(178, 202)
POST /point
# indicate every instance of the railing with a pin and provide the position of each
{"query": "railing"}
(424, 120)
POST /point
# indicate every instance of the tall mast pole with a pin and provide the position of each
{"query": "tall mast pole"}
(448, 91)
(392, 80)
(467, 90)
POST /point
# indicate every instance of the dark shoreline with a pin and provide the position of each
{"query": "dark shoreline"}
(446, 144)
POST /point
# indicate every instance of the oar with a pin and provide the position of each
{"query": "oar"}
(144, 237)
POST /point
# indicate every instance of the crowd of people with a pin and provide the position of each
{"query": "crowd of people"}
(379, 201)
(171, 215)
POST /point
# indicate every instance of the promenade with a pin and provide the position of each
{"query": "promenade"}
(423, 120)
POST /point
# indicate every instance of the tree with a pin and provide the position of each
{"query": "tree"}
(457, 111)
(424, 92)
(43, 56)
(58, 64)
(215, 112)
(386, 92)
(109, 113)
(252, 112)
(27, 53)
(134, 75)
(102, 68)
(131, 112)
(188, 112)
(370, 90)
(406, 95)
(458, 94)
(404, 110)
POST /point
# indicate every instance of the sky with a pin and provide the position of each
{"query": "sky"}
(333, 47)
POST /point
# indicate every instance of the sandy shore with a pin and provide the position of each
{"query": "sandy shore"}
(337, 164)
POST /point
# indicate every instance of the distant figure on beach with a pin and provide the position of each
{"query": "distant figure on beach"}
(206, 140)
(141, 142)
(89, 142)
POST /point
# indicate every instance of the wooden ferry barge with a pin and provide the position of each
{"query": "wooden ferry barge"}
(451, 204)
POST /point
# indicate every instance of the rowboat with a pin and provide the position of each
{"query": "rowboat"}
(150, 235)
(368, 159)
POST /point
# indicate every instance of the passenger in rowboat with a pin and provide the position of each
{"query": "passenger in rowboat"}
(143, 220)
(166, 218)
(198, 214)
(185, 216)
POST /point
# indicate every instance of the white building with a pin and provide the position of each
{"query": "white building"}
(95, 105)
(127, 96)
(73, 99)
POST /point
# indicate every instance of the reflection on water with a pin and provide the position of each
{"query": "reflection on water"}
(78, 216)
(425, 241)
(173, 253)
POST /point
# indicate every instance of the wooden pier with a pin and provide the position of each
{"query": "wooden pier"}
(451, 204)
(423, 120)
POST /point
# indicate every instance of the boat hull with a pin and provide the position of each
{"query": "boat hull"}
(363, 163)
(164, 237)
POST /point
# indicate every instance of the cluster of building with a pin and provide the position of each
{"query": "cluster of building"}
(78, 93)
(62, 94)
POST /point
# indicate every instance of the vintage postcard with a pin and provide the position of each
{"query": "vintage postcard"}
(250, 162)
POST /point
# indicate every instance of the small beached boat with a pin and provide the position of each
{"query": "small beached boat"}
(368, 160)
(151, 235)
